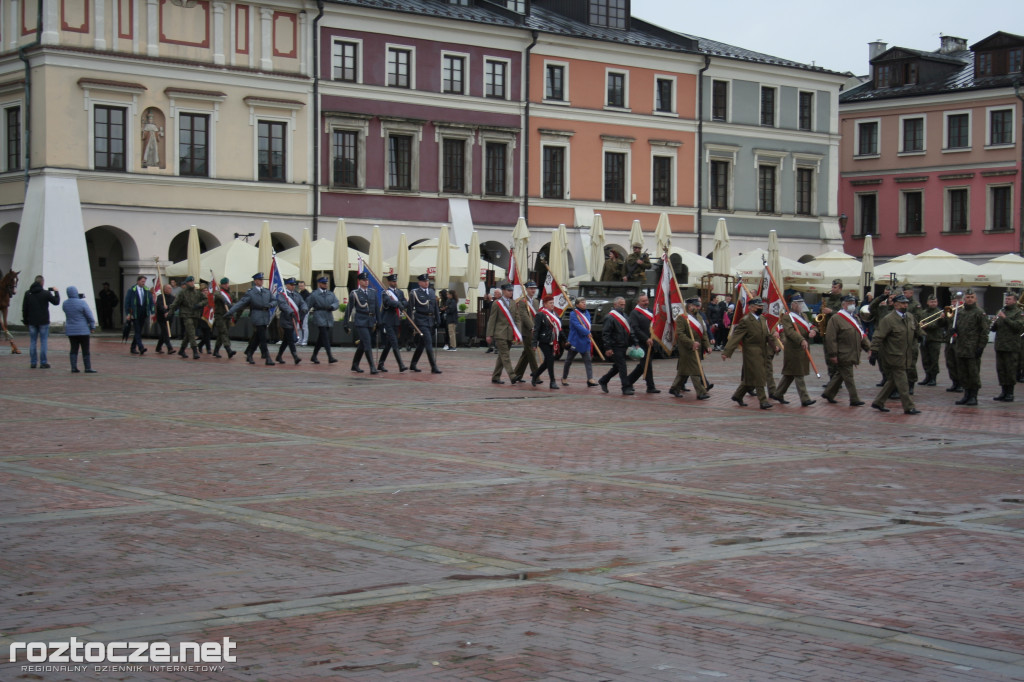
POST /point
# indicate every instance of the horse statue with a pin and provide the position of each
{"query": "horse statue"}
(8, 287)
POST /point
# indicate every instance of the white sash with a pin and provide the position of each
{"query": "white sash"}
(695, 324)
(622, 320)
(852, 320)
(583, 320)
(555, 322)
(516, 335)
(797, 318)
(648, 315)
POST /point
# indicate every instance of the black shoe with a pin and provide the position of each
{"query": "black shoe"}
(955, 388)
(924, 382)
(856, 403)
(675, 393)
(781, 399)
(912, 410)
(402, 369)
(142, 351)
(436, 371)
(966, 397)
(911, 390)
(628, 391)
(413, 369)
(704, 396)
(44, 365)
(248, 358)
(880, 383)
(739, 401)
(381, 369)
(159, 352)
(314, 361)
(807, 403)
(1001, 397)
(931, 382)
(331, 361)
(766, 406)
(270, 363)
(554, 385)
(74, 370)
(534, 381)
(134, 352)
(374, 371)
(232, 353)
(357, 370)
(973, 399)
(653, 390)
(831, 400)
(181, 353)
(278, 360)
(497, 381)
(684, 389)
(707, 388)
(296, 359)
(195, 355)
(603, 384)
(880, 408)
(91, 371)
(217, 355)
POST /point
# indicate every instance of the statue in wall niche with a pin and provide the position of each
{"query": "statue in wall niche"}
(152, 134)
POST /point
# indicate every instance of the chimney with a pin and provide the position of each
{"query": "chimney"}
(949, 44)
(876, 48)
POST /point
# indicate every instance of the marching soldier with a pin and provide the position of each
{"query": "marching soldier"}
(970, 334)
(934, 338)
(547, 327)
(894, 341)
(221, 305)
(613, 268)
(322, 304)
(502, 331)
(525, 313)
(797, 333)
(362, 313)
(393, 305)
(293, 310)
(844, 340)
(692, 346)
(1008, 326)
(637, 264)
(914, 310)
(618, 337)
(190, 303)
(640, 319)
(425, 313)
(752, 331)
(949, 354)
(261, 307)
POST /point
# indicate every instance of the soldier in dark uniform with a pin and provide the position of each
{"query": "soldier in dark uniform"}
(637, 264)
(797, 333)
(914, 310)
(322, 304)
(393, 306)
(970, 335)
(640, 319)
(690, 343)
(164, 300)
(524, 312)
(290, 319)
(845, 338)
(1008, 326)
(425, 313)
(949, 354)
(934, 337)
(190, 304)
(618, 336)
(261, 306)
(203, 325)
(894, 339)
(612, 271)
(502, 331)
(221, 304)
(362, 314)
(752, 331)
(546, 329)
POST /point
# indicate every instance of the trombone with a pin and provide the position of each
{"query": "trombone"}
(948, 312)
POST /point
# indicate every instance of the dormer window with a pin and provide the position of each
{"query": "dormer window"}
(608, 13)
(893, 74)
(518, 6)
(983, 67)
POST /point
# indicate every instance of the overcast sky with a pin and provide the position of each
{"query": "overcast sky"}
(831, 34)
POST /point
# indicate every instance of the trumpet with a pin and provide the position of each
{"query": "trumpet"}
(948, 312)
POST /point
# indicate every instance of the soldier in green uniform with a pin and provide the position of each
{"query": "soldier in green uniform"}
(797, 333)
(524, 311)
(934, 338)
(190, 304)
(844, 340)
(752, 331)
(949, 353)
(221, 303)
(693, 344)
(970, 334)
(879, 307)
(830, 305)
(1008, 325)
(637, 264)
(914, 310)
(612, 271)
(894, 341)
(502, 331)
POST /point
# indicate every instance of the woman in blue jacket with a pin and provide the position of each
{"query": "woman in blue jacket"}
(79, 323)
(579, 341)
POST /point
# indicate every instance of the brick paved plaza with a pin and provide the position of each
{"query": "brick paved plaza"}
(409, 527)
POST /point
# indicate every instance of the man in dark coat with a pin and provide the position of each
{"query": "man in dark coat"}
(393, 305)
(618, 336)
(640, 319)
(138, 306)
(361, 314)
(35, 313)
(425, 313)
(106, 303)
(322, 304)
(1008, 326)
(845, 338)
(970, 335)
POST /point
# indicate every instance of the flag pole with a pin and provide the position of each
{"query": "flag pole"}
(689, 329)
(775, 286)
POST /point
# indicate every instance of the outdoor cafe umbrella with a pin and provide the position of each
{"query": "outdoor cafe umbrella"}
(376, 259)
(663, 234)
(402, 262)
(266, 249)
(472, 276)
(340, 264)
(193, 253)
(720, 256)
(521, 245)
(306, 258)
(443, 273)
(597, 248)
(867, 263)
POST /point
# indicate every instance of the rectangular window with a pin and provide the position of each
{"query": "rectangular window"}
(768, 106)
(663, 95)
(867, 138)
(1001, 126)
(766, 188)
(719, 100)
(615, 177)
(12, 118)
(983, 64)
(867, 214)
(1001, 209)
(554, 173)
(516, 5)
(804, 191)
(720, 185)
(662, 186)
(345, 61)
(883, 76)
(554, 83)
(913, 135)
(616, 90)
(496, 181)
(399, 63)
(400, 162)
(1014, 59)
(193, 144)
(608, 13)
(453, 75)
(805, 115)
(109, 138)
(346, 158)
(271, 150)
(913, 216)
(958, 131)
(495, 75)
(453, 177)
(957, 208)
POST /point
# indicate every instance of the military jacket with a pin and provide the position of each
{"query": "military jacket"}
(844, 341)
(392, 309)
(190, 302)
(423, 306)
(794, 358)
(687, 363)
(525, 312)
(1008, 329)
(971, 331)
(362, 308)
(287, 318)
(498, 326)
(612, 271)
(893, 341)
(757, 342)
(638, 267)
(322, 304)
(260, 303)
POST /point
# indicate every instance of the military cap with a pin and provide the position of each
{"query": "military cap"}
(190, 278)
(837, 281)
(797, 297)
(363, 275)
(392, 277)
(638, 245)
(291, 280)
(932, 297)
(507, 286)
(547, 298)
(225, 280)
(324, 280)
(756, 301)
(258, 275)
(530, 284)
(901, 299)
(968, 292)
(908, 287)
(693, 301)
(423, 278)
(1012, 292)
(849, 299)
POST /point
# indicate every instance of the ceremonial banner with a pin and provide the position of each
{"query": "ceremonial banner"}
(208, 309)
(372, 282)
(553, 288)
(774, 306)
(277, 287)
(517, 286)
(667, 307)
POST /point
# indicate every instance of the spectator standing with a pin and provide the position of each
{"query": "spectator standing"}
(35, 312)
(78, 324)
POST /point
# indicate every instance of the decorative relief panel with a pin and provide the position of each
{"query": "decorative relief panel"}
(184, 25)
(74, 15)
(286, 34)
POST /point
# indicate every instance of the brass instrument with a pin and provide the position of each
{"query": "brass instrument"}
(820, 321)
(948, 312)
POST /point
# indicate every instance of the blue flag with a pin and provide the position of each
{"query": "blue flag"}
(374, 283)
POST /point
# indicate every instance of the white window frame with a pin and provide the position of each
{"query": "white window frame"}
(566, 101)
(20, 104)
(498, 137)
(728, 100)
(468, 137)
(775, 107)
(814, 110)
(625, 89)
(811, 162)
(947, 217)
(903, 212)
(924, 135)
(557, 139)
(673, 110)
(360, 126)
(289, 148)
(358, 42)
(466, 76)
(727, 153)
(618, 145)
(508, 76)
(668, 150)
(989, 206)
(769, 157)
(858, 218)
(411, 49)
(945, 131)
(856, 138)
(390, 127)
(988, 127)
(211, 109)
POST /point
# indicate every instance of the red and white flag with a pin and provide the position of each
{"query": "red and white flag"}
(208, 309)
(668, 305)
(554, 289)
(774, 306)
